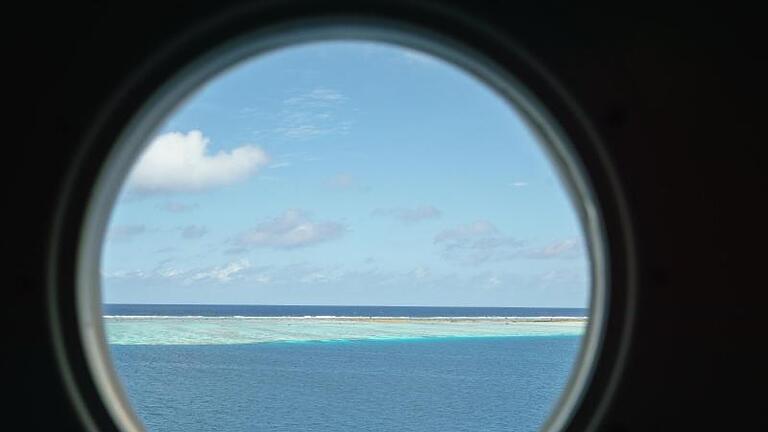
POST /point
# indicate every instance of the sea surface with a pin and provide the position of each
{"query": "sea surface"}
(343, 368)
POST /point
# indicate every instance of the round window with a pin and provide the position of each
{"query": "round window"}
(341, 230)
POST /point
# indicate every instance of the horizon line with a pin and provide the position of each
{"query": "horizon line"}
(337, 305)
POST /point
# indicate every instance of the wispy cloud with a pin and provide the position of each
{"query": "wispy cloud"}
(480, 242)
(125, 232)
(292, 229)
(179, 162)
(342, 181)
(193, 231)
(476, 243)
(421, 272)
(299, 156)
(319, 97)
(312, 114)
(572, 278)
(221, 273)
(518, 184)
(166, 272)
(568, 248)
(280, 165)
(301, 281)
(409, 215)
(177, 207)
(239, 270)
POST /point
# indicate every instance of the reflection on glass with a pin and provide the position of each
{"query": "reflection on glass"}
(344, 236)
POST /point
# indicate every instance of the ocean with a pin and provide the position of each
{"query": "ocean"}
(342, 368)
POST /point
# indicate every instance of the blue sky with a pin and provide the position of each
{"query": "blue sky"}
(345, 173)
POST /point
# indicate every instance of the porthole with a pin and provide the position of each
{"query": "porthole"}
(429, 205)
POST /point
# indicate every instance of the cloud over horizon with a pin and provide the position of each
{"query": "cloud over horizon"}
(221, 273)
(481, 241)
(568, 248)
(294, 228)
(301, 281)
(409, 215)
(179, 162)
(476, 243)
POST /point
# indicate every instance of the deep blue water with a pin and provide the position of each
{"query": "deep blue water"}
(280, 310)
(425, 385)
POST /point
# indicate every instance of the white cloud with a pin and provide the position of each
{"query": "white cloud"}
(410, 215)
(179, 162)
(223, 273)
(292, 229)
(126, 274)
(519, 184)
(170, 273)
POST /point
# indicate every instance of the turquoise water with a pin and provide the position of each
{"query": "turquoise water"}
(172, 330)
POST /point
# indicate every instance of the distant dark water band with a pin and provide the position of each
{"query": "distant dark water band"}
(345, 311)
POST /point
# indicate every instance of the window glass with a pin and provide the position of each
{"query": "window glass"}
(344, 236)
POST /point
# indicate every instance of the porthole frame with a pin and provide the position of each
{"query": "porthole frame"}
(160, 83)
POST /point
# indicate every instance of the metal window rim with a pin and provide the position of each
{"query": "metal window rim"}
(558, 139)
